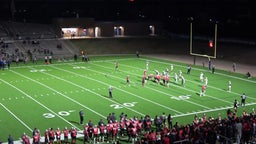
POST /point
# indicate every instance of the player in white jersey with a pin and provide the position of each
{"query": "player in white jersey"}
(175, 77)
(201, 77)
(206, 81)
(229, 86)
(147, 65)
(171, 67)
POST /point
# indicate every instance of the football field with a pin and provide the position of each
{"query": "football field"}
(51, 95)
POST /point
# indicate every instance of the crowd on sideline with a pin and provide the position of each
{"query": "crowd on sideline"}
(157, 130)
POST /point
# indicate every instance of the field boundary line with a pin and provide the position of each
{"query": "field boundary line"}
(23, 123)
(211, 110)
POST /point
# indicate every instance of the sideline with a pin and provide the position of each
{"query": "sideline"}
(220, 64)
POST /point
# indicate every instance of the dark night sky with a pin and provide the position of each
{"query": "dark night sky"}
(232, 14)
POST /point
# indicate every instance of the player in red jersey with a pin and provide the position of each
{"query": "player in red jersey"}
(102, 132)
(95, 134)
(66, 133)
(51, 136)
(86, 133)
(202, 93)
(36, 138)
(58, 135)
(145, 73)
(73, 134)
(143, 80)
(46, 136)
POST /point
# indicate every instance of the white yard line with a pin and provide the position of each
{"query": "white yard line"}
(30, 129)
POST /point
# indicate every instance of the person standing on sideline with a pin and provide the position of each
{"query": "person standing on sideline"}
(213, 69)
(169, 121)
(229, 86)
(209, 63)
(234, 67)
(235, 105)
(10, 139)
(238, 130)
(189, 69)
(110, 89)
(243, 97)
(81, 114)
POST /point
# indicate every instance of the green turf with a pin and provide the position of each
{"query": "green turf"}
(31, 93)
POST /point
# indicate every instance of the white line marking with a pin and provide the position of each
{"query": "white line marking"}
(16, 117)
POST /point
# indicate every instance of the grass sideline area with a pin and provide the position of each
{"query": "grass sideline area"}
(51, 95)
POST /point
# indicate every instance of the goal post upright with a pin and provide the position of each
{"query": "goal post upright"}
(215, 42)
